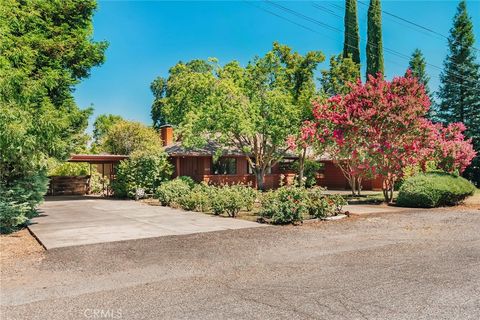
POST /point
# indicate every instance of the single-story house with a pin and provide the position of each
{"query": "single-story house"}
(232, 166)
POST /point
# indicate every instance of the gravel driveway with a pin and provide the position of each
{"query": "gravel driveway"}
(407, 265)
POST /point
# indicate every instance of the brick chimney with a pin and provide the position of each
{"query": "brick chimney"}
(166, 133)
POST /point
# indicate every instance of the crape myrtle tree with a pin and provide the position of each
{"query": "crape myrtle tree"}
(252, 108)
(459, 91)
(46, 49)
(375, 128)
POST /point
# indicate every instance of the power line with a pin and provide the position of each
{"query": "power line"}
(414, 24)
(322, 24)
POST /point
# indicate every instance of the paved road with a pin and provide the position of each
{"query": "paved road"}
(415, 265)
(71, 221)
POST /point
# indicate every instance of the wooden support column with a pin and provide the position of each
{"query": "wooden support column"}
(177, 166)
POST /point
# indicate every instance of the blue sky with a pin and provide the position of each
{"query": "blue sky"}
(148, 37)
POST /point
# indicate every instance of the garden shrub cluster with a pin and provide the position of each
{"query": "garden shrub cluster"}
(184, 193)
(290, 204)
(434, 189)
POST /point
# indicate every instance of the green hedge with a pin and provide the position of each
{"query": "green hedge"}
(433, 190)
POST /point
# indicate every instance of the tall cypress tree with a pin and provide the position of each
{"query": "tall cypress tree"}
(460, 83)
(417, 66)
(351, 44)
(374, 39)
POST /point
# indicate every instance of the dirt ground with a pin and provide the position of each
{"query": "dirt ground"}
(18, 248)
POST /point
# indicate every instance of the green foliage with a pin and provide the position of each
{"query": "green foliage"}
(351, 45)
(126, 137)
(102, 124)
(459, 91)
(310, 170)
(143, 170)
(321, 205)
(418, 65)
(287, 204)
(57, 168)
(231, 199)
(47, 49)
(433, 190)
(252, 108)
(290, 204)
(198, 198)
(19, 199)
(170, 192)
(342, 72)
(374, 39)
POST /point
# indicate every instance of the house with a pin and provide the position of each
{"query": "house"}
(232, 166)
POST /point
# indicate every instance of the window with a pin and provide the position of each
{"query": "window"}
(225, 166)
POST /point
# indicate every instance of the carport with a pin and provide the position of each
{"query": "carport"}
(80, 185)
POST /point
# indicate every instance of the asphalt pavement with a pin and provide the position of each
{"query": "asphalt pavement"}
(408, 265)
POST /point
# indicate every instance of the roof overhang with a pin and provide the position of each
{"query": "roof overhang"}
(97, 158)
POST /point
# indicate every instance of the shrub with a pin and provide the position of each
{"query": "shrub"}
(19, 199)
(433, 190)
(143, 170)
(310, 170)
(287, 204)
(321, 205)
(197, 199)
(170, 192)
(231, 199)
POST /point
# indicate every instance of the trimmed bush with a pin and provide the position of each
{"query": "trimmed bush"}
(143, 170)
(170, 192)
(197, 199)
(290, 204)
(433, 190)
(287, 204)
(321, 205)
(230, 200)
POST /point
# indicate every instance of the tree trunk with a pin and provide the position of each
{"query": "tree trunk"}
(301, 166)
(352, 181)
(359, 185)
(387, 188)
(260, 176)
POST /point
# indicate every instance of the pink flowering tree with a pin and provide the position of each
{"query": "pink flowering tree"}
(453, 153)
(376, 129)
(338, 132)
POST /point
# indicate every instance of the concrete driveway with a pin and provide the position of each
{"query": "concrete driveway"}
(71, 221)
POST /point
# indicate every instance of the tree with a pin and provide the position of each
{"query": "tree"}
(182, 77)
(417, 66)
(126, 137)
(374, 39)
(373, 130)
(102, 124)
(47, 49)
(459, 91)
(301, 84)
(351, 45)
(252, 108)
(342, 72)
